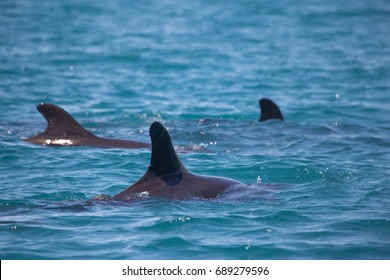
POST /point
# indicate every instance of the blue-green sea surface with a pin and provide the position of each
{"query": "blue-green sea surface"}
(318, 183)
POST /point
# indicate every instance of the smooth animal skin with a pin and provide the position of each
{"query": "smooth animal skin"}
(63, 130)
(167, 177)
(269, 110)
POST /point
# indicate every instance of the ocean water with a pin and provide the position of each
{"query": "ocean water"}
(318, 183)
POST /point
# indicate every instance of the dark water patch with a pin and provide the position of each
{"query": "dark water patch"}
(60, 196)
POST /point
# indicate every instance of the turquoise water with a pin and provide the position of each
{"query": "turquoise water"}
(199, 67)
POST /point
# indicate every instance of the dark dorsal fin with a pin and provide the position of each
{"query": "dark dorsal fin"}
(60, 122)
(269, 110)
(164, 160)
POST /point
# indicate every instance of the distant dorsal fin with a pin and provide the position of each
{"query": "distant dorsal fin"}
(269, 110)
(60, 122)
(164, 160)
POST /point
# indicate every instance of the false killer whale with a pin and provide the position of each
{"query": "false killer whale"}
(269, 110)
(167, 177)
(63, 130)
